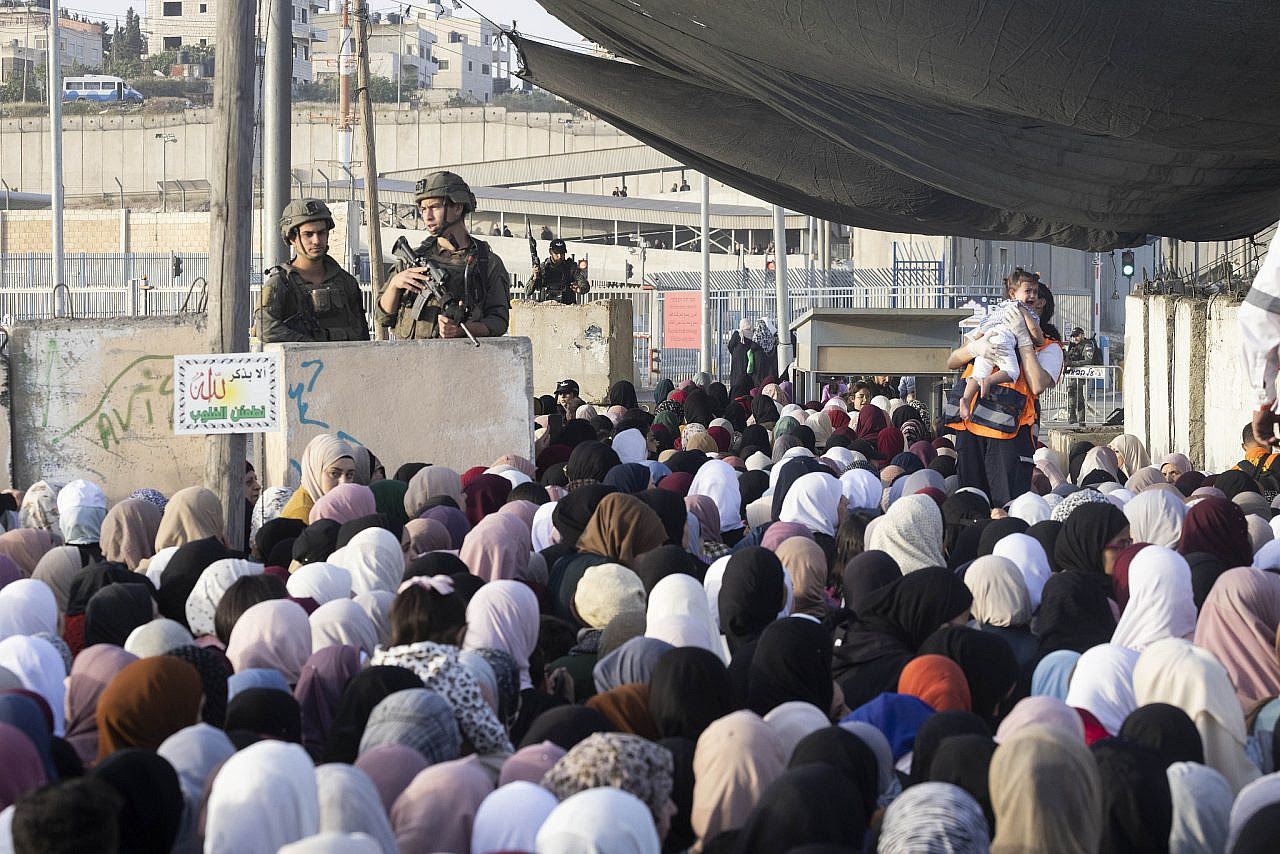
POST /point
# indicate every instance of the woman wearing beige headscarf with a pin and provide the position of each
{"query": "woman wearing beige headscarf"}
(820, 424)
(326, 462)
(1046, 794)
(1179, 673)
(806, 566)
(1131, 454)
(58, 568)
(25, 546)
(432, 482)
(736, 759)
(40, 506)
(194, 513)
(129, 532)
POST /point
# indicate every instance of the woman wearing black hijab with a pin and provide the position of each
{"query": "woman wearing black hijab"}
(864, 575)
(697, 407)
(570, 519)
(814, 804)
(623, 393)
(752, 593)
(719, 397)
(366, 690)
(183, 571)
(565, 726)
(997, 531)
(630, 478)
(1075, 458)
(1046, 534)
(959, 511)
(688, 690)
(989, 666)
(965, 761)
(1167, 730)
(965, 550)
(670, 508)
(792, 661)
(115, 611)
(272, 532)
(590, 461)
(1074, 614)
(1089, 532)
(1137, 807)
(316, 542)
(662, 389)
(934, 731)
(150, 815)
(751, 486)
(267, 713)
(755, 436)
(1205, 569)
(890, 627)
(764, 411)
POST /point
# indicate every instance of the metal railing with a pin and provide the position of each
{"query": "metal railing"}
(1097, 390)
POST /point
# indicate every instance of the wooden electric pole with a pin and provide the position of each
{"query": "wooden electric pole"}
(370, 164)
(230, 240)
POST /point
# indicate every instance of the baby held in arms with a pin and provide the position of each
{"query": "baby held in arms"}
(1010, 326)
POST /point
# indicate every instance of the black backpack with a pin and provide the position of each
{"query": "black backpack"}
(1264, 471)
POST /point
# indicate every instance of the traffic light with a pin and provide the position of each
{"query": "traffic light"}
(177, 266)
(1126, 263)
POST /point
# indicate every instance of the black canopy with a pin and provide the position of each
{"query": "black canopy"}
(1090, 124)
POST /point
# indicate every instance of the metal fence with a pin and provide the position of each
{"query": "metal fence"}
(1098, 394)
(143, 285)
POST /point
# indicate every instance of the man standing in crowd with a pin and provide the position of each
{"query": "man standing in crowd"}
(557, 279)
(310, 298)
(1080, 352)
(473, 273)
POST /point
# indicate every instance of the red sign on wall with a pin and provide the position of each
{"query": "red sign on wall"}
(682, 319)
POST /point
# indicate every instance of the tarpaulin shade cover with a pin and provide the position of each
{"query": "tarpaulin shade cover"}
(1091, 124)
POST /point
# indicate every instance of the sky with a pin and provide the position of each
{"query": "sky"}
(532, 19)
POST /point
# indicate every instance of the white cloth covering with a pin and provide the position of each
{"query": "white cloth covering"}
(1161, 602)
(263, 798)
(374, 559)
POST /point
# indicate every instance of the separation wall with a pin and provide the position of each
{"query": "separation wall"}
(590, 343)
(441, 402)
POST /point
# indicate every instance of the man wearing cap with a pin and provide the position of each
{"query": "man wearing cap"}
(310, 298)
(472, 271)
(557, 279)
(566, 390)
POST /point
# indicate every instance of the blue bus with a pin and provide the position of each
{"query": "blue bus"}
(99, 87)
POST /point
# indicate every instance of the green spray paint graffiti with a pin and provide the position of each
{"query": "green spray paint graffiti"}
(134, 397)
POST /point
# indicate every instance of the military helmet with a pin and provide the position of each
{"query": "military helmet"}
(445, 185)
(559, 246)
(300, 211)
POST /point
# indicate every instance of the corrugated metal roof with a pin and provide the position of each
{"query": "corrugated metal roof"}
(555, 168)
(542, 203)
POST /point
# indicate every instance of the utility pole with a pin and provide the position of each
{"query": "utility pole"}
(53, 63)
(346, 66)
(277, 103)
(230, 236)
(370, 165)
(780, 287)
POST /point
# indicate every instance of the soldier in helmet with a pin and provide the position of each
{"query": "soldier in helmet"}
(557, 279)
(473, 271)
(311, 298)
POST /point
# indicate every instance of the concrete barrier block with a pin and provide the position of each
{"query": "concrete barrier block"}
(94, 399)
(1062, 440)
(1228, 395)
(1189, 320)
(1160, 350)
(1136, 407)
(442, 402)
(590, 343)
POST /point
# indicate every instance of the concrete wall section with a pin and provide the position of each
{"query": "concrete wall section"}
(443, 402)
(94, 399)
(1189, 378)
(1136, 405)
(1160, 352)
(589, 343)
(1228, 395)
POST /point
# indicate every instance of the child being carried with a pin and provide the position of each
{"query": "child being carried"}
(1010, 326)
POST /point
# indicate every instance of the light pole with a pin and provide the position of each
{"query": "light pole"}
(164, 166)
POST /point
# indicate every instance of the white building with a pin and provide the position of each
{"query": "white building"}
(171, 24)
(24, 37)
(467, 54)
(399, 49)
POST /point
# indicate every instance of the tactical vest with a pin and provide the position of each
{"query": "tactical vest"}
(473, 275)
(326, 308)
(1000, 414)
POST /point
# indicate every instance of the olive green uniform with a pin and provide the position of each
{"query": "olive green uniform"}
(294, 309)
(487, 291)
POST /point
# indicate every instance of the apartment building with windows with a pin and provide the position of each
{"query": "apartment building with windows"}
(24, 39)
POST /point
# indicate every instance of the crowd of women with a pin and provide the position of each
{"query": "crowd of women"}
(729, 625)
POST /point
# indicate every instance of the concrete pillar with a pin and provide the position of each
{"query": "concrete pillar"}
(1189, 370)
(1160, 352)
(124, 230)
(1136, 403)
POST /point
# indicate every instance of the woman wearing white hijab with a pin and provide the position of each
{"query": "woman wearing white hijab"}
(910, 533)
(1028, 556)
(350, 803)
(597, 821)
(1161, 602)
(326, 462)
(813, 501)
(342, 621)
(509, 818)
(862, 489)
(321, 582)
(1179, 673)
(81, 508)
(842, 458)
(374, 559)
(1201, 809)
(629, 445)
(40, 667)
(543, 531)
(27, 607)
(1030, 508)
(211, 586)
(1102, 684)
(263, 798)
(1155, 516)
(717, 480)
(679, 613)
